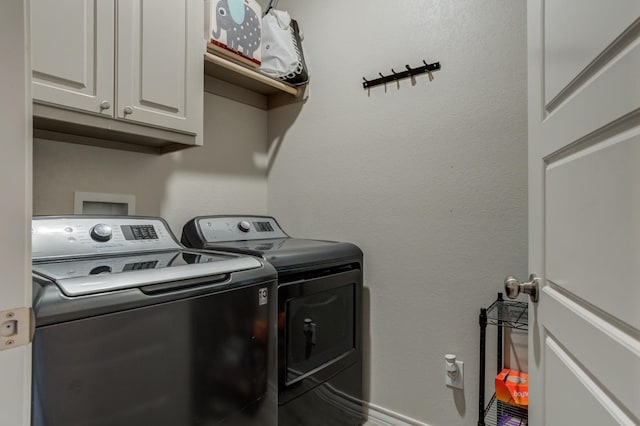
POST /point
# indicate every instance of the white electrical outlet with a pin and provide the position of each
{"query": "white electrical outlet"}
(454, 372)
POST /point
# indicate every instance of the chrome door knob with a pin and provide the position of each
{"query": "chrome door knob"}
(105, 105)
(127, 110)
(513, 287)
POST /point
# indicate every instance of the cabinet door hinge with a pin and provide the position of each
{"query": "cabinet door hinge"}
(16, 327)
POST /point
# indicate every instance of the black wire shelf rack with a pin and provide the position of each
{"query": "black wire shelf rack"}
(503, 314)
(502, 414)
(508, 313)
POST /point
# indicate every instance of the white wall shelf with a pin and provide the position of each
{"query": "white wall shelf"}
(226, 70)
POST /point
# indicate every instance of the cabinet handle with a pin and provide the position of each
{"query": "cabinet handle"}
(105, 105)
(127, 110)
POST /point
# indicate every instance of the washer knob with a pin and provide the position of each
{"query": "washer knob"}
(244, 226)
(101, 232)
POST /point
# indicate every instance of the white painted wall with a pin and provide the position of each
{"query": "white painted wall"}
(429, 179)
(226, 175)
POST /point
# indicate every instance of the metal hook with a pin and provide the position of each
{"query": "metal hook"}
(411, 71)
(428, 70)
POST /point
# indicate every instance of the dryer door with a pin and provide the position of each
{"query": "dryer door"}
(320, 328)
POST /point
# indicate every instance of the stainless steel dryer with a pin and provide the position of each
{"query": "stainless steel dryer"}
(319, 315)
(131, 329)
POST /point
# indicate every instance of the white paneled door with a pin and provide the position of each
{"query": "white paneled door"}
(584, 211)
(15, 208)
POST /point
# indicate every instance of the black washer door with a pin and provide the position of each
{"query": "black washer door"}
(194, 361)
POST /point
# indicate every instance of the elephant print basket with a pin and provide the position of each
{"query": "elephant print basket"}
(234, 29)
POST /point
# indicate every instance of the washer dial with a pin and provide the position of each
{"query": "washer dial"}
(244, 226)
(101, 232)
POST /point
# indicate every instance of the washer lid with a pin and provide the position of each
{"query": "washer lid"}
(291, 253)
(262, 236)
(103, 274)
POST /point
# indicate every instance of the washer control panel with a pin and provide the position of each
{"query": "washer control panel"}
(73, 236)
(239, 228)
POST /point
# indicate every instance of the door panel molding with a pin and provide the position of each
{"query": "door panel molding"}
(610, 133)
(80, 85)
(586, 335)
(607, 56)
(573, 388)
(601, 101)
(576, 33)
(592, 199)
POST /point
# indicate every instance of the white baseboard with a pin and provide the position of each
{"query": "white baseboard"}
(376, 415)
(381, 416)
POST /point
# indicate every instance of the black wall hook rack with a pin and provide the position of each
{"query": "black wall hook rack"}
(410, 72)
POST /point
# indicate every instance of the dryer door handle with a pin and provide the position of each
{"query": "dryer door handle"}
(309, 331)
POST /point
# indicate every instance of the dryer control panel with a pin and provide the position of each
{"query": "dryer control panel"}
(74, 236)
(239, 228)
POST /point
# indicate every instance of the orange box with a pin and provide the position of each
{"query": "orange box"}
(513, 387)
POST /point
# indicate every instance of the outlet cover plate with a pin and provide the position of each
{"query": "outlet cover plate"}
(458, 381)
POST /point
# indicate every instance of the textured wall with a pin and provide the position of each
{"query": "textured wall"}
(226, 175)
(428, 178)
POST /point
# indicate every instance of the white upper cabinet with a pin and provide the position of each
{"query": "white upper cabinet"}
(160, 63)
(135, 65)
(72, 50)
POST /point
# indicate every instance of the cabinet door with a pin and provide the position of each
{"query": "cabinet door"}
(72, 53)
(160, 63)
